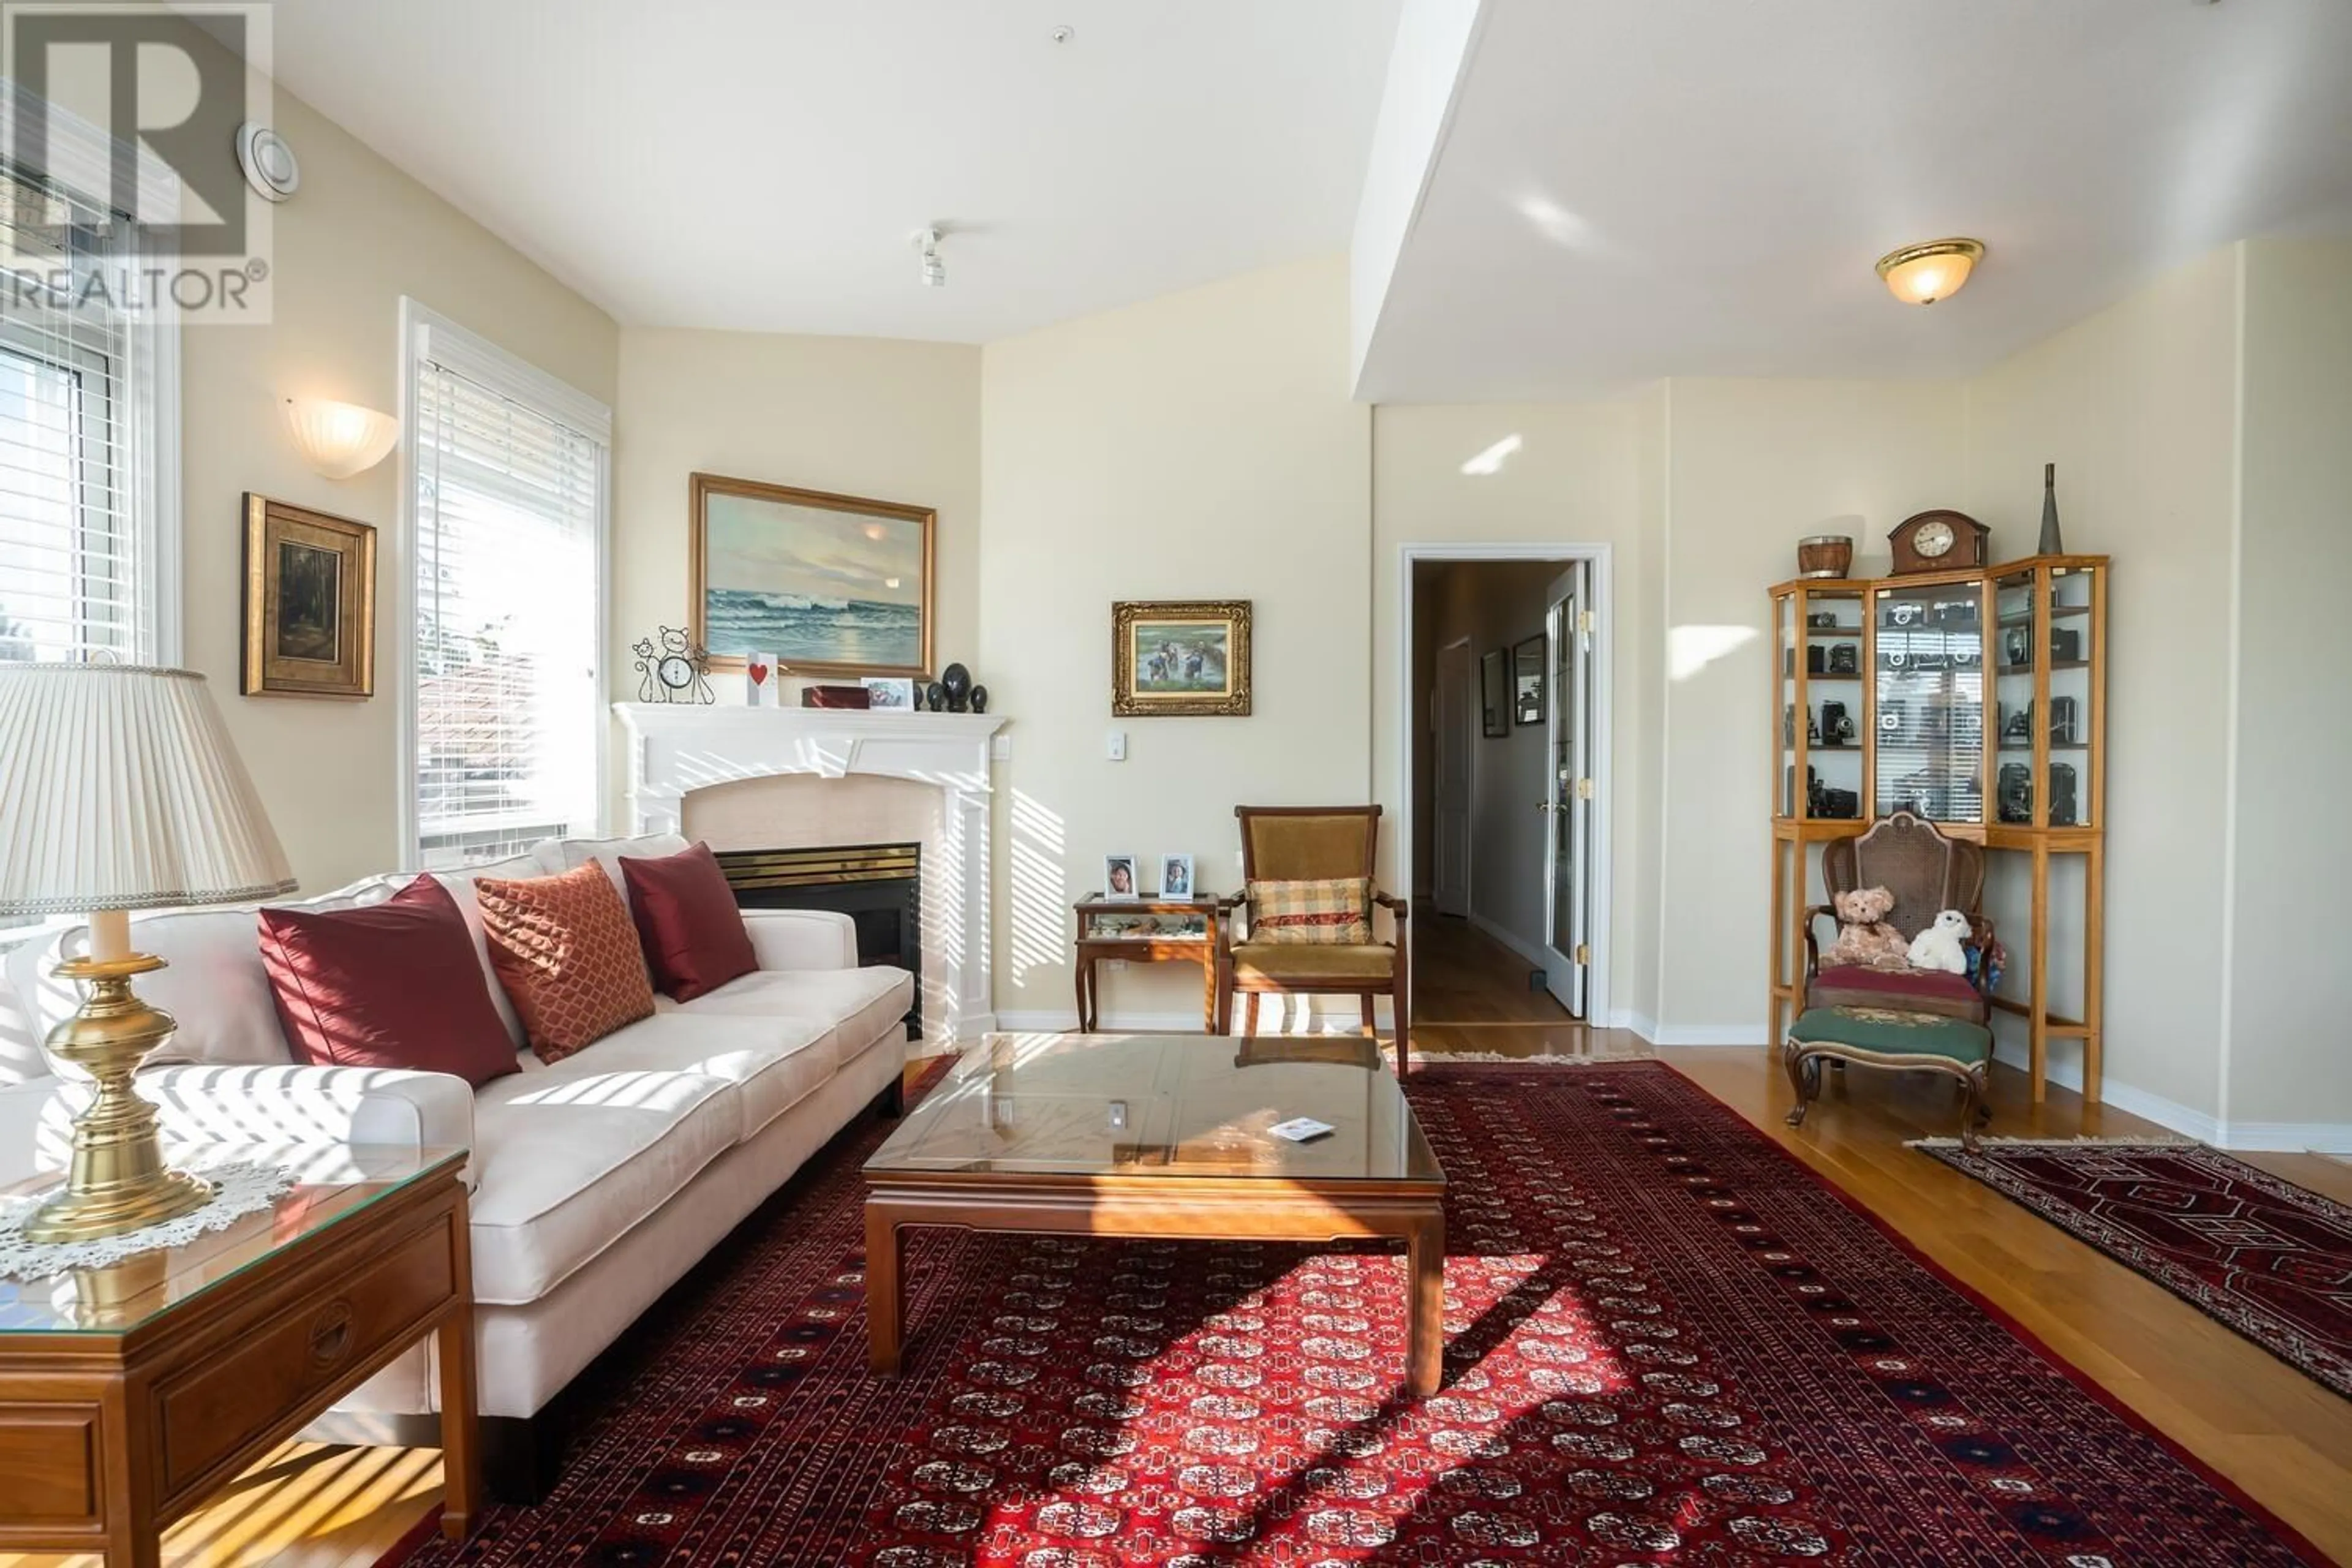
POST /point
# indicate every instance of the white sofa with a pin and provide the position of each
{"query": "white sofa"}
(596, 1182)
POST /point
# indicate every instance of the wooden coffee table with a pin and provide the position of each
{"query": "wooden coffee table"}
(1161, 1137)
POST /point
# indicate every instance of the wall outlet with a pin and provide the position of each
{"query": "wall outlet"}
(999, 748)
(1117, 748)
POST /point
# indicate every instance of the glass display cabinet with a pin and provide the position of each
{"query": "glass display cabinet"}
(1976, 700)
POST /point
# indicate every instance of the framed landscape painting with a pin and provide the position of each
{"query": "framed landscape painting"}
(830, 585)
(1181, 658)
(309, 604)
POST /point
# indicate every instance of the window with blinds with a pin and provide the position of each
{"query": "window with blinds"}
(82, 570)
(509, 549)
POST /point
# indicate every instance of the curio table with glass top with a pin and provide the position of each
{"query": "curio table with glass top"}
(130, 1394)
(1162, 1137)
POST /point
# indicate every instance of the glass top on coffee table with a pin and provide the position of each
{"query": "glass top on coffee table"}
(1162, 1105)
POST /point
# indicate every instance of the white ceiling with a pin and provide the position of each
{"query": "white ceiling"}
(1637, 188)
(763, 164)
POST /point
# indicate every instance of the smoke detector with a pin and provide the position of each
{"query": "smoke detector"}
(267, 161)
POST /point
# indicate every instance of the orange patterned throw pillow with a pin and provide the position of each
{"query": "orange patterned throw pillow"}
(566, 951)
(1336, 912)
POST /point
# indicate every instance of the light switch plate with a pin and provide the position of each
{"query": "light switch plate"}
(1117, 750)
(999, 748)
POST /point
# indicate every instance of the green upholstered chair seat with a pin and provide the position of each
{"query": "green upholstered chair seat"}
(1313, 963)
(1886, 1032)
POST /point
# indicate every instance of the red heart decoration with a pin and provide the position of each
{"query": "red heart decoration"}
(758, 674)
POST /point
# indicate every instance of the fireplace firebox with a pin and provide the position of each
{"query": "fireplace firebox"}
(877, 886)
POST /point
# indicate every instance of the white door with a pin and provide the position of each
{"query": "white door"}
(1453, 714)
(1567, 806)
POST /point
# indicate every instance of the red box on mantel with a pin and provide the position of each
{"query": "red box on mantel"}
(835, 697)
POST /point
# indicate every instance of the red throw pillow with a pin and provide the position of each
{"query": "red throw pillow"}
(686, 918)
(567, 956)
(393, 985)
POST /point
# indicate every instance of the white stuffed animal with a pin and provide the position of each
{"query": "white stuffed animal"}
(1940, 946)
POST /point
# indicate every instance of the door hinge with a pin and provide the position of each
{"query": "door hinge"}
(1583, 953)
(1586, 622)
(1586, 789)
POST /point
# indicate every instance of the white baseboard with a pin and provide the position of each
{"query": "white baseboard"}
(2247, 1137)
(1642, 1023)
(1748, 1035)
(1532, 954)
(2289, 1137)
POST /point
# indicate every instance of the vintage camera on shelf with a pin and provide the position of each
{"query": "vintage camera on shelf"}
(1837, 727)
(1835, 805)
(1890, 719)
(2064, 811)
(1903, 613)
(2016, 803)
(1846, 658)
(2017, 647)
(2065, 645)
(2017, 723)
(2065, 721)
(1817, 660)
(1821, 620)
(1952, 614)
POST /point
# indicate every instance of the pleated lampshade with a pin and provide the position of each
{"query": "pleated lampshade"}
(120, 790)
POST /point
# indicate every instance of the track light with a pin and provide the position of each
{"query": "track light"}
(935, 271)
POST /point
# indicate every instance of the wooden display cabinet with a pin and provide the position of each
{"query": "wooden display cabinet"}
(1975, 699)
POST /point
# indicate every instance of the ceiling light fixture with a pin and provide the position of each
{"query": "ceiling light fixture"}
(935, 271)
(1923, 274)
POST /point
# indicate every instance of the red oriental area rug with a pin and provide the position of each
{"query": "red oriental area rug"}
(1667, 1343)
(2269, 1258)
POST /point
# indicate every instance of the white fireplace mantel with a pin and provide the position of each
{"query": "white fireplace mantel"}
(676, 749)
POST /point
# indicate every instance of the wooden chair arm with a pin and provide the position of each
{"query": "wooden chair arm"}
(1812, 946)
(1400, 908)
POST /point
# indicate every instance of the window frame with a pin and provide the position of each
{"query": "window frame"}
(427, 335)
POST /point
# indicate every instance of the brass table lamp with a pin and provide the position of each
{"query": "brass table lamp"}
(120, 792)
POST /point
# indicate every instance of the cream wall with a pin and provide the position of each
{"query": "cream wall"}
(2136, 407)
(1572, 481)
(882, 419)
(2290, 987)
(1200, 446)
(1751, 467)
(359, 235)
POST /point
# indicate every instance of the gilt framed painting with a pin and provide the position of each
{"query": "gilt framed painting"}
(831, 585)
(309, 604)
(1181, 658)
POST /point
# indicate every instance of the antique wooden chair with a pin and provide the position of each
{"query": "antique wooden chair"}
(1928, 873)
(1314, 842)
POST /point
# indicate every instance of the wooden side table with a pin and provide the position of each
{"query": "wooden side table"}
(1099, 918)
(130, 1394)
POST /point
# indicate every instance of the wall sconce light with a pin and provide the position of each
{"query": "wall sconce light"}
(1923, 274)
(340, 439)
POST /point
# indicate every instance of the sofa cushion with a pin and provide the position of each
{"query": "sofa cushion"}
(1334, 911)
(688, 922)
(567, 1158)
(393, 985)
(856, 1005)
(567, 953)
(774, 1063)
(1313, 963)
(460, 884)
(571, 854)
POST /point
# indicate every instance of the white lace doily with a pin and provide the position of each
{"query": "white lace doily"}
(239, 1188)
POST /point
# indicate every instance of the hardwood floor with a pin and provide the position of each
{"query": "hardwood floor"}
(2277, 1435)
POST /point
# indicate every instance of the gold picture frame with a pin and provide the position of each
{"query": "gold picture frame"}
(1181, 658)
(797, 575)
(309, 604)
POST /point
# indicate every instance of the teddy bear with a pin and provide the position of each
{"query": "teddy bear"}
(1942, 945)
(1864, 935)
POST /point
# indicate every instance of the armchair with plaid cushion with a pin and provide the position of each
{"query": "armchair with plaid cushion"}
(1308, 900)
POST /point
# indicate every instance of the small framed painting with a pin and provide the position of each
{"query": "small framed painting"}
(830, 585)
(1176, 876)
(1528, 681)
(1181, 658)
(309, 604)
(893, 693)
(1119, 878)
(1494, 696)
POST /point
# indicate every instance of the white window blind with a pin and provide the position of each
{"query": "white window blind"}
(84, 566)
(509, 510)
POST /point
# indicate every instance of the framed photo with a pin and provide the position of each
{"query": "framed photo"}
(830, 585)
(1181, 658)
(1176, 877)
(309, 604)
(1494, 696)
(1528, 681)
(892, 693)
(1119, 878)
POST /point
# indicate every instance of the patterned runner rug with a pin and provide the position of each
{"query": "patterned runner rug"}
(2269, 1258)
(1667, 1343)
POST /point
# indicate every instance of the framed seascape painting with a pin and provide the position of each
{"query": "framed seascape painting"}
(309, 604)
(830, 585)
(1180, 658)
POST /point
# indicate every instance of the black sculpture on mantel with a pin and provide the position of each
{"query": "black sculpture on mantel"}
(980, 699)
(957, 679)
(935, 698)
